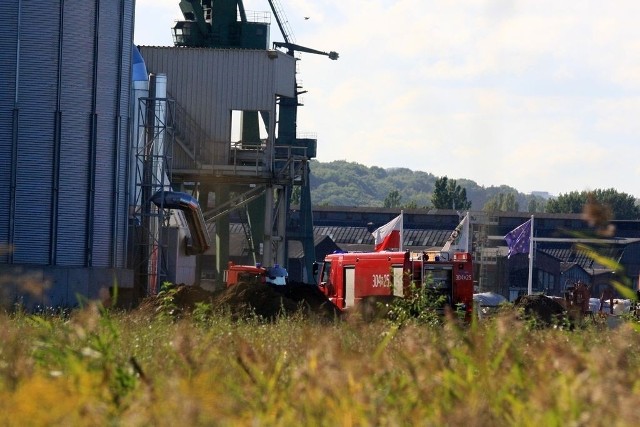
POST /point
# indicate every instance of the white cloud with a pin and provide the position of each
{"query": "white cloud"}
(469, 88)
(154, 20)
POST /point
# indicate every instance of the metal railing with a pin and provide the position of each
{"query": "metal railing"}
(287, 161)
(194, 140)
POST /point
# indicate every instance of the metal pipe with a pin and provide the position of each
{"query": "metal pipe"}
(14, 183)
(14, 141)
(93, 142)
(193, 214)
(57, 142)
(267, 249)
(281, 232)
(116, 213)
(140, 91)
(160, 121)
(18, 29)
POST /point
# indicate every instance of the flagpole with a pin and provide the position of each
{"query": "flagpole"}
(401, 228)
(530, 282)
(467, 227)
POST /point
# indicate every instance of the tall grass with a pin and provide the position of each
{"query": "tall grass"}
(138, 368)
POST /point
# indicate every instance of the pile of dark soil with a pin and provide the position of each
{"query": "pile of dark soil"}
(186, 297)
(249, 299)
(542, 309)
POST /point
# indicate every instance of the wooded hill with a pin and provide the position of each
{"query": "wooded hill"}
(342, 183)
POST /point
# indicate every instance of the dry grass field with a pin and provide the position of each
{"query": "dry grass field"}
(149, 367)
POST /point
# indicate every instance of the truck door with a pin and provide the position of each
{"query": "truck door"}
(325, 282)
(398, 285)
(349, 287)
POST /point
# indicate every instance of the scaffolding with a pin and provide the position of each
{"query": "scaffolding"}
(153, 146)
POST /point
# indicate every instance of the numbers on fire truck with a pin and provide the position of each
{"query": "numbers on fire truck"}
(463, 276)
(381, 281)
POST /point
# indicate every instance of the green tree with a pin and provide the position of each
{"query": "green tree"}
(295, 195)
(447, 194)
(411, 205)
(536, 204)
(502, 202)
(393, 199)
(622, 205)
(572, 202)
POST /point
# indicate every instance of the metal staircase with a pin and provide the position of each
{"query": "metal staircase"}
(191, 138)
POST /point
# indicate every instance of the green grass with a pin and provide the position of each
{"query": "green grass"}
(107, 368)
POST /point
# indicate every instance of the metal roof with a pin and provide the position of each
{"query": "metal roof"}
(581, 258)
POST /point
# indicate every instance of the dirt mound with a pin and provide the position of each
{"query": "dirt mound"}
(245, 299)
(181, 299)
(186, 297)
(270, 302)
(543, 309)
(312, 300)
(254, 298)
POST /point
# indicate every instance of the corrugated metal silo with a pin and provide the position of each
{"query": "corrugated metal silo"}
(64, 103)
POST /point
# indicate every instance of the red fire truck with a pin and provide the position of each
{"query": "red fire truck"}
(349, 277)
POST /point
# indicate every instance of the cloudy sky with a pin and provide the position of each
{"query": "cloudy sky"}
(540, 95)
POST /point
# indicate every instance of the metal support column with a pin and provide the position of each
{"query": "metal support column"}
(153, 147)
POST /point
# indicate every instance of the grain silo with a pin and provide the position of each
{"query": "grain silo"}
(65, 71)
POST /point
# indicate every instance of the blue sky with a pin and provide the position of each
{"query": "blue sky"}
(540, 95)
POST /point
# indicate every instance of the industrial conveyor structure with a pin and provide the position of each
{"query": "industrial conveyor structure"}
(235, 127)
(156, 211)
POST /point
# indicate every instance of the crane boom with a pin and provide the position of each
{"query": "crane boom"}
(278, 13)
(292, 47)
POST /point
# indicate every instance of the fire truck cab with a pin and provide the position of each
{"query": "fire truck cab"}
(346, 278)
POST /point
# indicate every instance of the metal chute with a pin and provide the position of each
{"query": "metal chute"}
(189, 205)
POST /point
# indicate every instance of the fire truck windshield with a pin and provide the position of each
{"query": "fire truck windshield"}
(326, 272)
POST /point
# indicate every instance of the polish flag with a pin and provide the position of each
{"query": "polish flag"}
(389, 236)
(459, 239)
